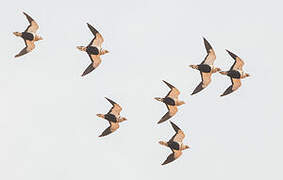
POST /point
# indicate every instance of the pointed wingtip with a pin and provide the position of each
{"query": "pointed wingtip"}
(175, 127)
(207, 45)
(234, 56)
(111, 101)
(168, 84)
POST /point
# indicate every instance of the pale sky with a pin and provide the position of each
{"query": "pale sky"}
(48, 124)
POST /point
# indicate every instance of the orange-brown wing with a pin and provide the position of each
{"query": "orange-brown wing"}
(29, 47)
(206, 79)
(98, 39)
(173, 156)
(172, 110)
(95, 63)
(179, 136)
(210, 57)
(116, 108)
(174, 93)
(113, 127)
(33, 26)
(236, 83)
(238, 64)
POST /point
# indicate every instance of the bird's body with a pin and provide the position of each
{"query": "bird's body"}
(172, 102)
(113, 117)
(169, 101)
(235, 73)
(29, 36)
(175, 144)
(206, 68)
(93, 50)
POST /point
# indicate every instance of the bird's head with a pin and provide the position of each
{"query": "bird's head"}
(104, 51)
(37, 38)
(247, 75)
(186, 147)
(181, 103)
(122, 119)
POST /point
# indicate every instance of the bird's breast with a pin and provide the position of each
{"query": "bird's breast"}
(28, 36)
(92, 50)
(169, 101)
(204, 68)
(110, 117)
(234, 74)
(174, 145)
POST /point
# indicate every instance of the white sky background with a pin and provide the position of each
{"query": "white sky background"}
(48, 126)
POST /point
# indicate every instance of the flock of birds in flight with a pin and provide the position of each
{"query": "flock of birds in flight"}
(206, 69)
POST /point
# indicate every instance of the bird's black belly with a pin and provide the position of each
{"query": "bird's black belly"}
(204, 68)
(27, 36)
(110, 117)
(169, 101)
(234, 74)
(173, 145)
(92, 50)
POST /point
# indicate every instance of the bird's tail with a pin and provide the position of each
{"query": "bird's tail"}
(163, 143)
(17, 33)
(159, 99)
(194, 66)
(223, 72)
(100, 115)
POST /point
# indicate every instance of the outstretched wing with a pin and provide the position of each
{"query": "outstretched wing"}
(206, 79)
(116, 108)
(179, 135)
(98, 39)
(113, 127)
(173, 156)
(174, 93)
(33, 26)
(210, 57)
(29, 47)
(236, 83)
(95, 63)
(238, 64)
(172, 110)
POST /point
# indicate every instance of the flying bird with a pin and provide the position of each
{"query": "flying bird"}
(29, 36)
(93, 50)
(206, 68)
(113, 117)
(171, 101)
(235, 73)
(175, 144)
